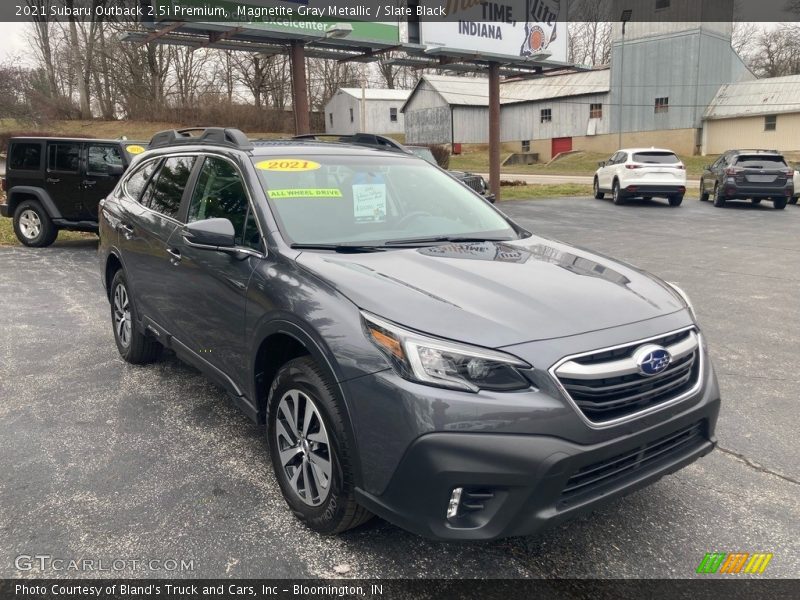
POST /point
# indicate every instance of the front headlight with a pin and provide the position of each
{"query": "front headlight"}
(685, 298)
(445, 364)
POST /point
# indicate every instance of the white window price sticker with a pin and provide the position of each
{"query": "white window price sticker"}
(369, 202)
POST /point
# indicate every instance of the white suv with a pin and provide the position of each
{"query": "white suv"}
(643, 173)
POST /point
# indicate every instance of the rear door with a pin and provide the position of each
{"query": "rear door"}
(63, 179)
(657, 167)
(99, 181)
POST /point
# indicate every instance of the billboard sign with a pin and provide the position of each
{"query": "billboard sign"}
(514, 28)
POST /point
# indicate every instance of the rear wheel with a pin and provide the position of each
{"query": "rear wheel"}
(703, 192)
(675, 200)
(32, 225)
(133, 344)
(310, 449)
(793, 200)
(597, 193)
(617, 194)
(779, 203)
(719, 199)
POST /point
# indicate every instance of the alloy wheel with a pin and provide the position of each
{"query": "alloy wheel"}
(122, 315)
(304, 447)
(30, 224)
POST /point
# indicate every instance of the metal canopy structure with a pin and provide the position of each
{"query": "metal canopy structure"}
(335, 42)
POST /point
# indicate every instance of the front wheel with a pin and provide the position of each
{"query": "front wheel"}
(779, 203)
(675, 200)
(617, 193)
(598, 195)
(134, 345)
(32, 225)
(310, 449)
(703, 192)
(793, 200)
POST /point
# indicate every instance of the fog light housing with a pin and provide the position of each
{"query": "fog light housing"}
(454, 504)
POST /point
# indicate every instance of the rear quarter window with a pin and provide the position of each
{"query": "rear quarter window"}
(25, 156)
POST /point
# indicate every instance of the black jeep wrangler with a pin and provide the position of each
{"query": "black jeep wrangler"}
(57, 183)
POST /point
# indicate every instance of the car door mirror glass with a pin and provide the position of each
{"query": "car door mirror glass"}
(214, 233)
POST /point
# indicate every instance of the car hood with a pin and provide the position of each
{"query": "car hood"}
(496, 294)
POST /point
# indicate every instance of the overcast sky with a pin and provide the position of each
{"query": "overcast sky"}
(13, 40)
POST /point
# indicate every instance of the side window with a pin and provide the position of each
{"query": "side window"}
(101, 158)
(25, 156)
(220, 193)
(165, 192)
(136, 182)
(64, 157)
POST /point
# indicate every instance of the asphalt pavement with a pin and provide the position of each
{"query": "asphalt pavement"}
(107, 461)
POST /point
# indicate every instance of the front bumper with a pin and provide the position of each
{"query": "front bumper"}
(4, 210)
(525, 483)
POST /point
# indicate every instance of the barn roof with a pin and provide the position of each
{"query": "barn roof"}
(474, 91)
(377, 93)
(756, 97)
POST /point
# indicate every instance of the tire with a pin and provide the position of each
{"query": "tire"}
(675, 200)
(617, 194)
(327, 507)
(779, 203)
(703, 192)
(755, 200)
(133, 344)
(793, 200)
(32, 225)
(719, 199)
(598, 195)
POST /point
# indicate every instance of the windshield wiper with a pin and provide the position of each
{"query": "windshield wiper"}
(446, 238)
(342, 248)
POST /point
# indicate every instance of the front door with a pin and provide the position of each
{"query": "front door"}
(210, 287)
(63, 180)
(100, 181)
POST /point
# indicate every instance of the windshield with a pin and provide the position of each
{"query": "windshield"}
(342, 199)
(660, 158)
(423, 153)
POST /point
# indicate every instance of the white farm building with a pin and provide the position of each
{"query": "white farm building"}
(381, 111)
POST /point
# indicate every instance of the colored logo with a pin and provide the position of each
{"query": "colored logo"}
(734, 562)
(652, 359)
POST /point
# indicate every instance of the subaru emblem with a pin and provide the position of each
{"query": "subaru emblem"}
(652, 359)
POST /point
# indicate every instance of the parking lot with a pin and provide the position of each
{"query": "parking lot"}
(104, 460)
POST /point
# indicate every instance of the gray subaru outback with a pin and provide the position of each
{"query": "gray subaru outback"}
(413, 352)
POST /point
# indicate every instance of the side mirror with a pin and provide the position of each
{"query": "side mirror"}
(116, 170)
(210, 234)
(707, 167)
(602, 163)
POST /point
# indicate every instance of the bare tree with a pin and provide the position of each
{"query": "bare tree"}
(776, 52)
(589, 40)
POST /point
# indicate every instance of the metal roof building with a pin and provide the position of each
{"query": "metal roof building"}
(381, 111)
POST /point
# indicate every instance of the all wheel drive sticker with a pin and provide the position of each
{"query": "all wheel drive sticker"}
(369, 189)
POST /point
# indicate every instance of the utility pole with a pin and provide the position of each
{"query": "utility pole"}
(302, 123)
(363, 107)
(494, 129)
(626, 16)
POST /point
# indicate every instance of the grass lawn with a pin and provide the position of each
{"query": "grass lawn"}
(537, 191)
(579, 163)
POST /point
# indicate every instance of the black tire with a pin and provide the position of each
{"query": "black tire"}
(134, 345)
(703, 192)
(779, 203)
(675, 200)
(755, 200)
(301, 380)
(616, 192)
(793, 200)
(719, 199)
(32, 225)
(598, 195)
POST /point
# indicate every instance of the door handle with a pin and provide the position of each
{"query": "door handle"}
(175, 254)
(89, 183)
(51, 180)
(126, 230)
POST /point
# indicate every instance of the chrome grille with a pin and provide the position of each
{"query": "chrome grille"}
(591, 479)
(607, 385)
(475, 182)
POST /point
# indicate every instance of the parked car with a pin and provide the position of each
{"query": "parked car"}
(641, 172)
(471, 180)
(413, 352)
(748, 174)
(56, 183)
(795, 185)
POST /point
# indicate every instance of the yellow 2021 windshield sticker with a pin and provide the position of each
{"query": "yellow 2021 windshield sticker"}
(134, 149)
(305, 193)
(287, 165)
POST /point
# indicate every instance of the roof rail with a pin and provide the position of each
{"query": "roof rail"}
(217, 136)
